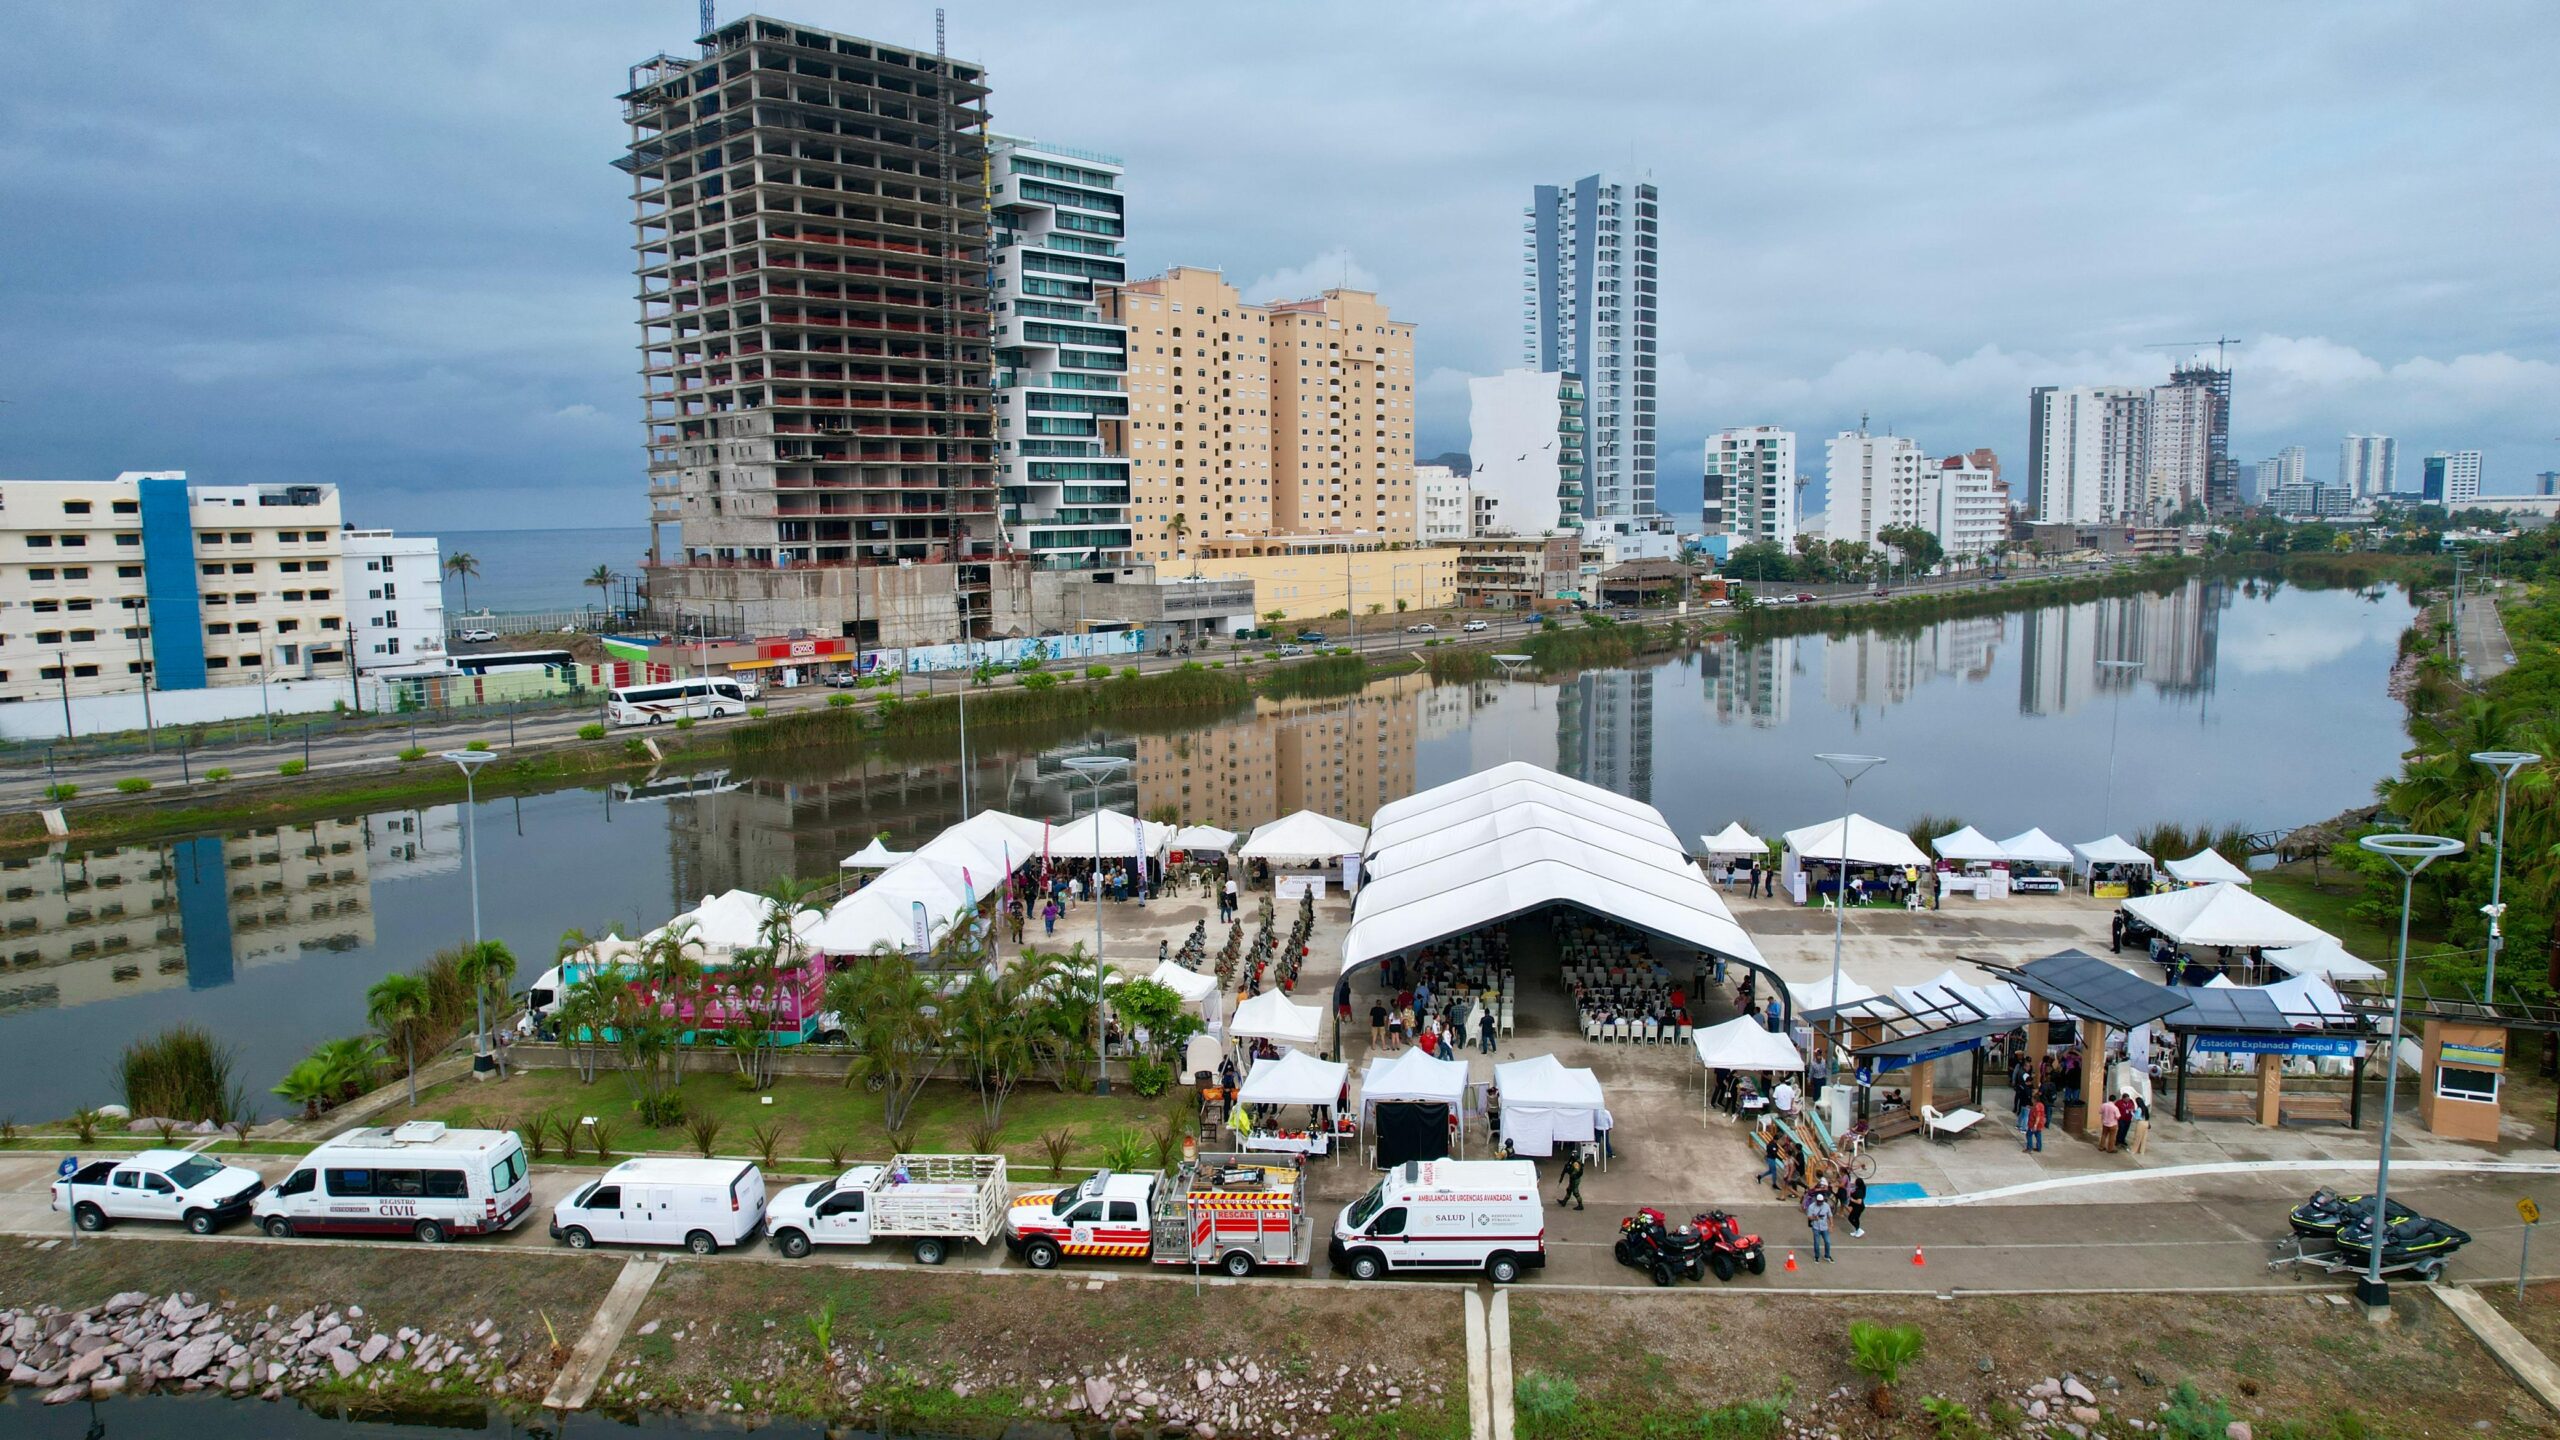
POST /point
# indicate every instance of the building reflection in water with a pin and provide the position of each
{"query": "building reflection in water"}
(2173, 637)
(84, 926)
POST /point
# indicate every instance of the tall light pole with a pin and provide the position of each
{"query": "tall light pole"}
(1848, 768)
(470, 762)
(2506, 763)
(2124, 670)
(968, 676)
(1095, 769)
(2408, 854)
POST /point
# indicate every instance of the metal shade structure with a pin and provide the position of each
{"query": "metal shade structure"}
(2095, 990)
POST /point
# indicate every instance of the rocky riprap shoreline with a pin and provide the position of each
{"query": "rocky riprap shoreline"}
(137, 1342)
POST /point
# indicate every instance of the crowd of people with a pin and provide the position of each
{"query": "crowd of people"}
(1615, 979)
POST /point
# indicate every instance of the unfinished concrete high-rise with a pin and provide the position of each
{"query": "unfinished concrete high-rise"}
(812, 226)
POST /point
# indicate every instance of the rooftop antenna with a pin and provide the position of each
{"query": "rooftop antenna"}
(710, 22)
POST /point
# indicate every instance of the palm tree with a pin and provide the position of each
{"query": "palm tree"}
(348, 1064)
(307, 1084)
(396, 1005)
(891, 1010)
(462, 565)
(601, 578)
(490, 968)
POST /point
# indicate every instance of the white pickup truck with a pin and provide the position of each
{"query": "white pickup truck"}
(935, 1201)
(201, 1194)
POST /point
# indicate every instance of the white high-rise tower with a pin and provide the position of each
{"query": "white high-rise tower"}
(1593, 286)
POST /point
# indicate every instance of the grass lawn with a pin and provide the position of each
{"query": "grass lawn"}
(815, 1115)
(2326, 904)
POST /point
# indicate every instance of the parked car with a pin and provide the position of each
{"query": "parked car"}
(203, 1195)
(1311, 637)
(1806, 597)
(477, 636)
(840, 680)
(1424, 628)
(1472, 626)
(702, 1205)
(1288, 650)
(752, 689)
(1719, 604)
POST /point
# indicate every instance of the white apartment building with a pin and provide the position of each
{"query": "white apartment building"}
(1064, 495)
(2178, 450)
(106, 584)
(1592, 277)
(2086, 449)
(2368, 465)
(1525, 433)
(2452, 478)
(1963, 504)
(395, 598)
(1441, 504)
(1874, 482)
(2283, 468)
(1751, 486)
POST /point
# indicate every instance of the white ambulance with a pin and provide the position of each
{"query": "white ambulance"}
(1445, 1215)
(419, 1179)
(702, 1205)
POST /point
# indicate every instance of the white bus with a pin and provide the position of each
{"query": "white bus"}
(701, 697)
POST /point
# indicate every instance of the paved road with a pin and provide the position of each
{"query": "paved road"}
(2146, 1235)
(2486, 651)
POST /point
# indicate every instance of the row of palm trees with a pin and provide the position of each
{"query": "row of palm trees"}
(410, 1012)
(2441, 790)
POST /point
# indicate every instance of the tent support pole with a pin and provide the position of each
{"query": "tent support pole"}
(2182, 1077)
(2355, 1095)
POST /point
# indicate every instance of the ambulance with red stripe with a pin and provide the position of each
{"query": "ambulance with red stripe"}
(1447, 1215)
(1237, 1213)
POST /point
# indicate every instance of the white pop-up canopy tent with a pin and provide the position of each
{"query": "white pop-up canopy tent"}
(1273, 1016)
(734, 920)
(1741, 1044)
(1305, 837)
(2222, 915)
(1869, 843)
(1734, 843)
(1545, 1102)
(2113, 850)
(1410, 1077)
(2034, 847)
(1204, 839)
(2206, 867)
(875, 856)
(1190, 984)
(1123, 835)
(1968, 844)
(2325, 958)
(943, 886)
(1295, 1078)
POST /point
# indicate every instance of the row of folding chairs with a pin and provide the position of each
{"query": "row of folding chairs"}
(1635, 1032)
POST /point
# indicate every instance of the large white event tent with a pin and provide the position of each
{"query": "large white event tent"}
(1869, 843)
(734, 920)
(1544, 1102)
(867, 920)
(2206, 867)
(2113, 850)
(1208, 838)
(2325, 958)
(2034, 847)
(1410, 1077)
(1273, 1016)
(1305, 837)
(1515, 839)
(1734, 843)
(1968, 844)
(1742, 1044)
(944, 887)
(2222, 915)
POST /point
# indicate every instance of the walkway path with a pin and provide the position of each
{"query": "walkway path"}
(2486, 651)
(577, 1381)
(2523, 1359)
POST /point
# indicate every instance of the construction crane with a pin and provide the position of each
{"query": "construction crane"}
(2220, 343)
(710, 22)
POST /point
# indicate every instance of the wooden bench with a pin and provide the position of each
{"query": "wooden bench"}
(2325, 1109)
(2222, 1105)
(1892, 1123)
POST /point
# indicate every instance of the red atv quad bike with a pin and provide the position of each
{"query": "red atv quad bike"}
(1666, 1254)
(1728, 1249)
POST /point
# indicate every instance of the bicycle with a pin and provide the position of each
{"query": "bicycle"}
(1851, 1156)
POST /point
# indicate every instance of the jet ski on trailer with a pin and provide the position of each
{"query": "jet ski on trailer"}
(2417, 1244)
(2321, 1216)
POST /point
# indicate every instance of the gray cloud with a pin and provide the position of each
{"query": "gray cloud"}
(385, 246)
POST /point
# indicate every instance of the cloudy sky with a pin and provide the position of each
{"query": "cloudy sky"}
(383, 245)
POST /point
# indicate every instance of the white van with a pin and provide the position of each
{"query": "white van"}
(1445, 1215)
(699, 1204)
(419, 1179)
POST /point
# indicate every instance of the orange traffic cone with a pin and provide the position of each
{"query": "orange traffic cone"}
(1917, 1258)
(1791, 1259)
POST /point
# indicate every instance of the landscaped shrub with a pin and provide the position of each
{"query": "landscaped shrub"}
(1097, 672)
(1039, 680)
(178, 1074)
(684, 722)
(218, 774)
(481, 745)
(755, 712)
(592, 730)
(839, 701)
(60, 791)
(132, 785)
(292, 767)
(413, 754)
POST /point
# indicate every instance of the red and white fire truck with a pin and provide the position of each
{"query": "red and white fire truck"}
(1236, 1212)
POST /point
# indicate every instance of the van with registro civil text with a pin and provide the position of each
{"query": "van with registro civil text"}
(703, 1205)
(1445, 1215)
(421, 1179)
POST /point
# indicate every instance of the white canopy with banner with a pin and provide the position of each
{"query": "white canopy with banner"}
(2206, 867)
(1305, 838)
(1869, 843)
(1204, 839)
(2034, 847)
(1295, 1078)
(2113, 850)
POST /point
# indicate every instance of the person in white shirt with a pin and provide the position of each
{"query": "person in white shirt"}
(1784, 1097)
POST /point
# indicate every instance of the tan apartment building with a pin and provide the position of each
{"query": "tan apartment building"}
(1337, 756)
(1342, 413)
(1252, 420)
(1308, 577)
(1198, 432)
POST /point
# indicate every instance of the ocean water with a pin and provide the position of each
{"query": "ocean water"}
(523, 570)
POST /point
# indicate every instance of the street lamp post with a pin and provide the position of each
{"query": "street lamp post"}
(2506, 763)
(470, 762)
(2115, 722)
(1094, 769)
(1848, 768)
(2408, 854)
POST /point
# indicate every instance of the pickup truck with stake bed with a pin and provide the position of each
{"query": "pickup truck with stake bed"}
(934, 1201)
